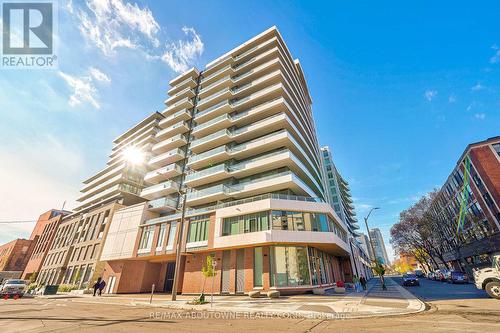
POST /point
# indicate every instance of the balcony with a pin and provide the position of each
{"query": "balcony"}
(186, 92)
(164, 173)
(211, 194)
(216, 75)
(161, 205)
(160, 190)
(212, 156)
(213, 111)
(176, 141)
(214, 98)
(215, 124)
(185, 103)
(169, 157)
(205, 90)
(179, 128)
(174, 118)
(189, 82)
(210, 141)
(207, 176)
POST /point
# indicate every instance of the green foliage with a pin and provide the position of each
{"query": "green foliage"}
(33, 277)
(32, 286)
(67, 287)
(379, 268)
(208, 269)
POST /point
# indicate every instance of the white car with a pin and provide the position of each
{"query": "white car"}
(13, 287)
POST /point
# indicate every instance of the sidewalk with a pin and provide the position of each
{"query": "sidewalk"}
(373, 302)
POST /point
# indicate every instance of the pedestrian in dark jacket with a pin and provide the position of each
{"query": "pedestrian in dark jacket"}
(101, 287)
(96, 285)
(362, 280)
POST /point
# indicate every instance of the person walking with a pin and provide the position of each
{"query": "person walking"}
(96, 285)
(355, 281)
(362, 280)
(101, 287)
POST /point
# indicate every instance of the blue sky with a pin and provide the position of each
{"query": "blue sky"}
(399, 90)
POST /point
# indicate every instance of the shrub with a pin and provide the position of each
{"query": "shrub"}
(66, 287)
(32, 286)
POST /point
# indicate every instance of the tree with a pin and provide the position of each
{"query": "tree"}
(208, 270)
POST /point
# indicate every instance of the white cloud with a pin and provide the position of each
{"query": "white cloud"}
(477, 87)
(83, 88)
(181, 55)
(480, 116)
(496, 56)
(112, 24)
(98, 75)
(452, 99)
(430, 95)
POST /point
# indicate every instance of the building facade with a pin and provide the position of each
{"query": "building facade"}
(339, 197)
(14, 255)
(74, 255)
(379, 246)
(479, 237)
(238, 152)
(43, 234)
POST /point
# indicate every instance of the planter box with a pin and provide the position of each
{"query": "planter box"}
(319, 291)
(340, 290)
(254, 294)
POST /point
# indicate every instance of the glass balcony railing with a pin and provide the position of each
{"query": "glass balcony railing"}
(169, 184)
(241, 185)
(212, 108)
(215, 73)
(208, 153)
(203, 89)
(210, 137)
(163, 202)
(211, 122)
(241, 55)
(207, 191)
(244, 164)
(217, 94)
(160, 157)
(206, 172)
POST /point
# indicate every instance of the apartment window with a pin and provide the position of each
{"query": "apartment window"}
(198, 230)
(171, 235)
(299, 221)
(496, 147)
(147, 238)
(246, 223)
(257, 267)
(488, 200)
(161, 236)
(94, 251)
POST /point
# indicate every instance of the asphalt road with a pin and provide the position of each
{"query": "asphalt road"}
(438, 291)
(452, 308)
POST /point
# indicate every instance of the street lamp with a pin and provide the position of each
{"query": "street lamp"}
(371, 245)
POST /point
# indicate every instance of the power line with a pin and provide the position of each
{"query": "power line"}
(20, 221)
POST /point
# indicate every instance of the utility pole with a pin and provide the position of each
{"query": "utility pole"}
(179, 248)
(375, 260)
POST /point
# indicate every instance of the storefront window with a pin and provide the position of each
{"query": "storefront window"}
(257, 267)
(289, 266)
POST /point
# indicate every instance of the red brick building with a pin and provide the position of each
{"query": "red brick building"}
(42, 234)
(479, 238)
(14, 255)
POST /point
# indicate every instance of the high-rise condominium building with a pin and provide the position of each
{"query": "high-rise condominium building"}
(379, 246)
(73, 257)
(238, 137)
(339, 197)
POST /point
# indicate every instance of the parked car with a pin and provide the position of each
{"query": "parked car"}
(441, 275)
(410, 280)
(419, 273)
(13, 287)
(457, 277)
(430, 275)
(489, 278)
